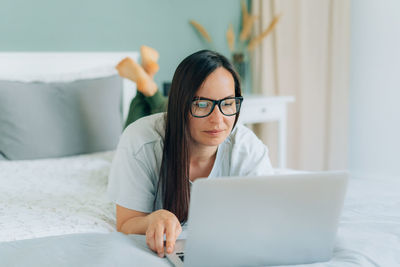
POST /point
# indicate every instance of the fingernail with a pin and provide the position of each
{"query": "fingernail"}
(161, 255)
(169, 249)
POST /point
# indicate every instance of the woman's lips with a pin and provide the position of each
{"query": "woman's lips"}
(214, 132)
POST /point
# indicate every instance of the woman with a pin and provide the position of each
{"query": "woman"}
(159, 156)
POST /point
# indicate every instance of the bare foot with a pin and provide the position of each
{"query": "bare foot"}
(149, 60)
(128, 68)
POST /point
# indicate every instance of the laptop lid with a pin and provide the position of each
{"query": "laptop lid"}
(271, 220)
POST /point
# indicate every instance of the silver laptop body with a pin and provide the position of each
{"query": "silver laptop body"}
(259, 221)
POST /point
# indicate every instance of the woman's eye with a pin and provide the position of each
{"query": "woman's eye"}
(202, 104)
(227, 103)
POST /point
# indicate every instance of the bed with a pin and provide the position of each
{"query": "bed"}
(54, 210)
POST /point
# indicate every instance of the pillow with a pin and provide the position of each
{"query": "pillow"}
(44, 120)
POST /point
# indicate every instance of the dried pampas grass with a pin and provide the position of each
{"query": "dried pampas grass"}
(244, 41)
(256, 40)
(200, 29)
(230, 38)
(245, 13)
(247, 22)
(247, 27)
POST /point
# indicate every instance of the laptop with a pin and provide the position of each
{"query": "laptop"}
(259, 221)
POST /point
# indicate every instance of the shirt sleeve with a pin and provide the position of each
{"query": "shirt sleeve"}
(249, 155)
(130, 182)
(261, 164)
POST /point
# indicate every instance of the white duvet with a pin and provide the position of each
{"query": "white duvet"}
(67, 195)
(55, 196)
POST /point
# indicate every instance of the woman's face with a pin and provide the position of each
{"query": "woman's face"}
(215, 128)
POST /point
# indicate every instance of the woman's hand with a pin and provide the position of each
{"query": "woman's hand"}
(162, 222)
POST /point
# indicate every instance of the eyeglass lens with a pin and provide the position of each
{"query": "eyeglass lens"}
(228, 107)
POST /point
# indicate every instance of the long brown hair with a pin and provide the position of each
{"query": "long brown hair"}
(174, 173)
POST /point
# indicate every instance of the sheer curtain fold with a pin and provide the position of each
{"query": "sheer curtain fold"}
(307, 57)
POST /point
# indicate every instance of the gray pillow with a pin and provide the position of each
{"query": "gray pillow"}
(44, 120)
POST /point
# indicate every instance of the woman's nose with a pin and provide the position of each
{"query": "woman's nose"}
(216, 115)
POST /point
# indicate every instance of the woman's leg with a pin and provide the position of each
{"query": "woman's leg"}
(148, 99)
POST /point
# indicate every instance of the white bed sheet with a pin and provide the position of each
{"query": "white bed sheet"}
(67, 195)
(50, 197)
(369, 228)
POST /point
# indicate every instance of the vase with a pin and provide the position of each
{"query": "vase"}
(242, 65)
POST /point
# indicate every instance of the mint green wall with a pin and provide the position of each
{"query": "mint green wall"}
(117, 25)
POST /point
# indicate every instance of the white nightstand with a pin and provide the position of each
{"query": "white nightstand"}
(260, 109)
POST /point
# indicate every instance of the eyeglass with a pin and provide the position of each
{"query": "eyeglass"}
(202, 107)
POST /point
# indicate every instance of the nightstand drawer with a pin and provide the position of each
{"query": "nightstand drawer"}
(253, 112)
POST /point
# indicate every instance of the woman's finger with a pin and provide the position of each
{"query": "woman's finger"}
(150, 239)
(159, 239)
(178, 230)
(170, 238)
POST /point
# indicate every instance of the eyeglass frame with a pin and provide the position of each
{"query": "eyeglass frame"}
(215, 103)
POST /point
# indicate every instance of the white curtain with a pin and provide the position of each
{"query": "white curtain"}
(307, 56)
